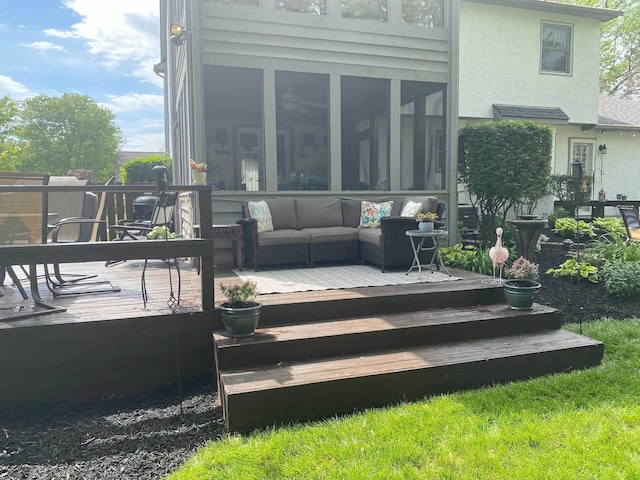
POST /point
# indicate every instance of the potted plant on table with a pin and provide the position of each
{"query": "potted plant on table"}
(240, 314)
(522, 284)
(198, 172)
(425, 221)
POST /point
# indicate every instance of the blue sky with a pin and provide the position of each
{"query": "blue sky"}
(104, 49)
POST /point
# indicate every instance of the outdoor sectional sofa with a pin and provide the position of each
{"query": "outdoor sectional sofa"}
(309, 230)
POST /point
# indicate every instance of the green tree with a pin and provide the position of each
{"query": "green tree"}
(9, 144)
(619, 47)
(504, 165)
(70, 132)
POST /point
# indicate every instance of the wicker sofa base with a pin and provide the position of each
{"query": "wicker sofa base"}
(333, 252)
(281, 255)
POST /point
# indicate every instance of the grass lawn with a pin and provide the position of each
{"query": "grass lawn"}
(580, 425)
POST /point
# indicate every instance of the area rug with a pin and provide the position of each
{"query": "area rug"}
(335, 277)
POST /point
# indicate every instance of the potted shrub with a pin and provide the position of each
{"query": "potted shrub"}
(425, 221)
(240, 314)
(522, 284)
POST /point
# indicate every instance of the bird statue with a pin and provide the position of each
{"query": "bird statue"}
(498, 255)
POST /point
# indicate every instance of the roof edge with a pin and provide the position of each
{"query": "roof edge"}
(602, 14)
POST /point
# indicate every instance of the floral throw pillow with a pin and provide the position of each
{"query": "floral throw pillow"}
(411, 209)
(260, 211)
(371, 213)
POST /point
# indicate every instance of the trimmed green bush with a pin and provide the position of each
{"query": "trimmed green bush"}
(621, 279)
(140, 170)
(491, 152)
(552, 217)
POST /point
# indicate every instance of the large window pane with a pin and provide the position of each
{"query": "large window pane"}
(365, 133)
(234, 128)
(422, 147)
(317, 7)
(302, 114)
(365, 9)
(424, 13)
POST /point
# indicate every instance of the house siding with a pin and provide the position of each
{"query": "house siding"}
(234, 36)
(500, 61)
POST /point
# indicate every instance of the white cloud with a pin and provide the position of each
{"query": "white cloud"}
(42, 46)
(134, 101)
(117, 31)
(17, 90)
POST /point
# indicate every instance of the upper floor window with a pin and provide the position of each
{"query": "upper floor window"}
(317, 7)
(423, 13)
(555, 53)
(365, 10)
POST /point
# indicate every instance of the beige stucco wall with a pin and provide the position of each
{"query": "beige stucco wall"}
(500, 58)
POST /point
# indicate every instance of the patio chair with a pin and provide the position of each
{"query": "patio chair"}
(631, 221)
(83, 228)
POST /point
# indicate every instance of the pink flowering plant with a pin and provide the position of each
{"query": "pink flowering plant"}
(523, 270)
(197, 167)
(240, 295)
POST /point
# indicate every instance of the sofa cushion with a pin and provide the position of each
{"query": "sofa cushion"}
(332, 234)
(351, 212)
(283, 237)
(260, 211)
(411, 208)
(283, 213)
(429, 204)
(319, 212)
(371, 235)
(371, 213)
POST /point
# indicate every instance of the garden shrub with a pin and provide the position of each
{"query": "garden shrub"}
(467, 257)
(569, 227)
(610, 225)
(577, 270)
(621, 279)
(140, 170)
(613, 247)
(552, 217)
(491, 152)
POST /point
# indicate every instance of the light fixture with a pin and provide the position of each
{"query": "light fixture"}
(602, 149)
(178, 34)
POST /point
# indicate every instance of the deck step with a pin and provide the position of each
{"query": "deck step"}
(283, 309)
(300, 391)
(382, 332)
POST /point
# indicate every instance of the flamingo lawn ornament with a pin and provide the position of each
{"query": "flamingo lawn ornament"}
(498, 255)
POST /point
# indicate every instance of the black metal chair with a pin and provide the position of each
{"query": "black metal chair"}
(79, 229)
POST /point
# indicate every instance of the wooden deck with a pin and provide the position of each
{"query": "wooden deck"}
(316, 354)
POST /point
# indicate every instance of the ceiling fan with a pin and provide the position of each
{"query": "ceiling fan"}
(291, 102)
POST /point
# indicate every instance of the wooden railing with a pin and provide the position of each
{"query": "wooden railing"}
(122, 250)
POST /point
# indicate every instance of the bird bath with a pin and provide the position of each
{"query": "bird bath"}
(528, 234)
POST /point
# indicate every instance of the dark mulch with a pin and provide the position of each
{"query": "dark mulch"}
(146, 437)
(137, 437)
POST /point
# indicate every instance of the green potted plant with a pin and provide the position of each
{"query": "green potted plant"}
(522, 284)
(425, 221)
(240, 313)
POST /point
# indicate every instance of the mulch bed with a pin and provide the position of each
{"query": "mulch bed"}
(147, 436)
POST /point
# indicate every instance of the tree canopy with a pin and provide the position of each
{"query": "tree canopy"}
(65, 133)
(619, 48)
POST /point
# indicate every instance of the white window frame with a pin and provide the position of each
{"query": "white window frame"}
(568, 50)
(587, 155)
